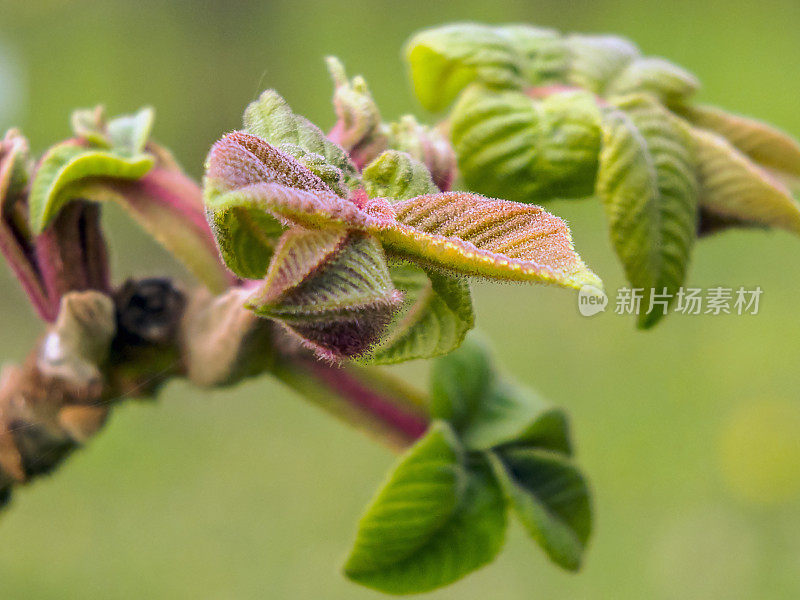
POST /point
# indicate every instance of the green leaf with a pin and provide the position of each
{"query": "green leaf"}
(512, 146)
(431, 523)
(649, 190)
(245, 230)
(331, 288)
(551, 499)
(462, 233)
(419, 496)
(595, 60)
(271, 119)
(763, 143)
(668, 82)
(129, 134)
(460, 382)
(428, 145)
(359, 128)
(435, 316)
(66, 165)
(489, 412)
(476, 236)
(444, 60)
(397, 176)
(735, 189)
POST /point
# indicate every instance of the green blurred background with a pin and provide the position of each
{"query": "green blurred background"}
(690, 433)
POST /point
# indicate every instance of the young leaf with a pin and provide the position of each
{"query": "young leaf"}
(245, 230)
(429, 145)
(271, 119)
(551, 499)
(649, 190)
(358, 127)
(397, 176)
(512, 146)
(420, 495)
(595, 60)
(15, 238)
(460, 382)
(732, 187)
(412, 539)
(66, 165)
(489, 412)
(466, 233)
(666, 81)
(763, 143)
(435, 316)
(330, 287)
(129, 134)
(462, 233)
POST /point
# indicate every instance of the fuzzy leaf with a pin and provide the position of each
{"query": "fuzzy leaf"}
(428, 145)
(489, 412)
(427, 528)
(734, 188)
(551, 499)
(463, 233)
(649, 190)
(466, 233)
(763, 143)
(129, 134)
(595, 60)
(397, 176)
(419, 496)
(512, 146)
(330, 287)
(245, 231)
(434, 318)
(666, 81)
(271, 119)
(66, 165)
(444, 60)
(358, 127)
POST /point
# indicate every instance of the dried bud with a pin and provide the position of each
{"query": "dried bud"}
(149, 311)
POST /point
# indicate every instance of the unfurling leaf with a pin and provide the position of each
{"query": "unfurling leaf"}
(435, 316)
(596, 60)
(271, 119)
(65, 166)
(358, 128)
(397, 176)
(550, 497)
(429, 146)
(665, 81)
(512, 146)
(764, 144)
(466, 233)
(444, 60)
(735, 189)
(490, 412)
(434, 520)
(331, 287)
(462, 233)
(126, 135)
(648, 187)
